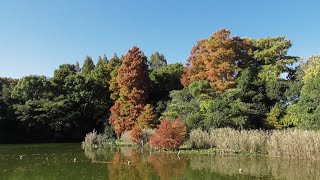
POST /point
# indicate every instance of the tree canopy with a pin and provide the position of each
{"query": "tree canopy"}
(228, 81)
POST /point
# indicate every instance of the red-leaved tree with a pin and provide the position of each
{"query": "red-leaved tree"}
(169, 135)
(136, 135)
(133, 84)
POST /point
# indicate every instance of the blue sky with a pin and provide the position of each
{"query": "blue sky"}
(36, 36)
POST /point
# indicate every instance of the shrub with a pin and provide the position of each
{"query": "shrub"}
(94, 139)
(125, 137)
(136, 135)
(147, 133)
(139, 136)
(109, 133)
(90, 139)
(169, 135)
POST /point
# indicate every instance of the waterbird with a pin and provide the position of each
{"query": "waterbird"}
(20, 156)
(129, 162)
(240, 170)
(75, 160)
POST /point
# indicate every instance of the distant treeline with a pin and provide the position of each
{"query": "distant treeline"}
(74, 101)
(227, 82)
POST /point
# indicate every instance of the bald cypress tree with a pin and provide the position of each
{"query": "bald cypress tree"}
(133, 82)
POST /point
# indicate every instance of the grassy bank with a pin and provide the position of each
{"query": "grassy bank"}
(292, 143)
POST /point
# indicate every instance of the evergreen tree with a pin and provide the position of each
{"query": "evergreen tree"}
(88, 66)
(78, 69)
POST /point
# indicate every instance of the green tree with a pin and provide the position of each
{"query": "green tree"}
(113, 67)
(157, 60)
(165, 79)
(305, 112)
(88, 66)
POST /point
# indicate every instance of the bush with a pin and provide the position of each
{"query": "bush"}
(139, 136)
(126, 137)
(136, 135)
(169, 135)
(94, 139)
(90, 140)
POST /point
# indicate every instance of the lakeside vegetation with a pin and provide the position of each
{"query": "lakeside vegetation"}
(234, 93)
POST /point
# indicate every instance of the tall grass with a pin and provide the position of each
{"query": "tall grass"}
(295, 144)
(286, 143)
(90, 140)
(94, 140)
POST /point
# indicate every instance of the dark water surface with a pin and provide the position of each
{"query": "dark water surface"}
(69, 161)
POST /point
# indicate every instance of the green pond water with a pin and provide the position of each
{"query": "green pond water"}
(69, 161)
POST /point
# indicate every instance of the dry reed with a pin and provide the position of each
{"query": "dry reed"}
(286, 143)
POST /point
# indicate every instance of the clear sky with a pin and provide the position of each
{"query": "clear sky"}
(36, 36)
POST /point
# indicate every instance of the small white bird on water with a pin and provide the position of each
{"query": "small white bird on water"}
(129, 162)
(75, 160)
(20, 156)
(240, 170)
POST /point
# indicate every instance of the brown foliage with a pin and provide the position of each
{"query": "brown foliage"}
(217, 59)
(169, 135)
(115, 120)
(133, 78)
(133, 83)
(136, 135)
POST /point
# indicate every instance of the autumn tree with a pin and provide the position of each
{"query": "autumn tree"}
(133, 82)
(136, 135)
(147, 118)
(169, 135)
(217, 59)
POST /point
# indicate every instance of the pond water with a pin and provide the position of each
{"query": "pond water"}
(69, 161)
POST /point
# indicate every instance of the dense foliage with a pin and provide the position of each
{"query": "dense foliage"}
(169, 135)
(228, 81)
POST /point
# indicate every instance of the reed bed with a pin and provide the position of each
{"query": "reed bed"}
(292, 143)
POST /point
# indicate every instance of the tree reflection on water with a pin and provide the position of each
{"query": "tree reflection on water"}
(132, 163)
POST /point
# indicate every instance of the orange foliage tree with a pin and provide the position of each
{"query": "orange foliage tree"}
(169, 135)
(133, 81)
(136, 135)
(217, 59)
